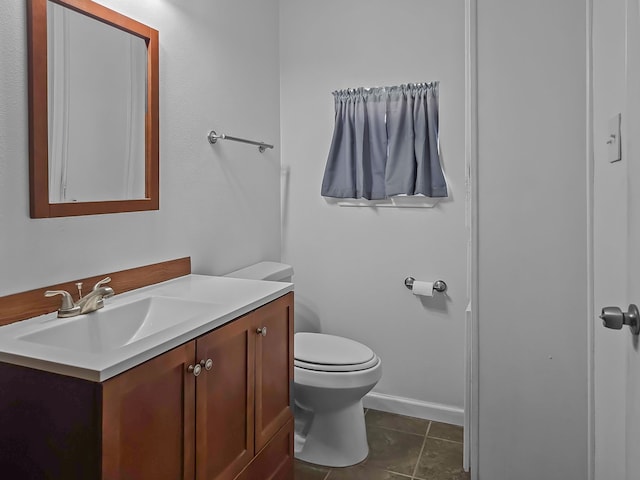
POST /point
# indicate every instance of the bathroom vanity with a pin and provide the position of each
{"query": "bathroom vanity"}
(203, 398)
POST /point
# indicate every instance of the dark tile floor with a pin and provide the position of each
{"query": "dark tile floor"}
(400, 448)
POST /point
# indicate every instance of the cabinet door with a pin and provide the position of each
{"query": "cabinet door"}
(224, 401)
(148, 420)
(274, 367)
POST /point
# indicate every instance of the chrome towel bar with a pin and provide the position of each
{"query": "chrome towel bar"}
(214, 137)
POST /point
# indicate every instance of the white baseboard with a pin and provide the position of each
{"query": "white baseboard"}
(414, 408)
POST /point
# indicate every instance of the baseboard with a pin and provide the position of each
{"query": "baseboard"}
(414, 408)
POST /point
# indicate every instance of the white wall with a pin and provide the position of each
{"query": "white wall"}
(350, 263)
(610, 239)
(218, 204)
(532, 240)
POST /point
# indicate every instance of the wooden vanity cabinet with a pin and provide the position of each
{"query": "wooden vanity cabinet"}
(158, 421)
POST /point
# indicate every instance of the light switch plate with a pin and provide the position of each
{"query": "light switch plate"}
(614, 147)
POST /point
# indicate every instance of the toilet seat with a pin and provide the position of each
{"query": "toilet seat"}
(329, 353)
(335, 368)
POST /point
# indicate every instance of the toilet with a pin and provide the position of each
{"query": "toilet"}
(331, 376)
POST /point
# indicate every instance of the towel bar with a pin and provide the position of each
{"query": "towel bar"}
(214, 137)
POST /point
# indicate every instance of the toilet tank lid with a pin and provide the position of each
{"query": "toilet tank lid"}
(274, 271)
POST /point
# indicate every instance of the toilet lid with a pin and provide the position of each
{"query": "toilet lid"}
(319, 351)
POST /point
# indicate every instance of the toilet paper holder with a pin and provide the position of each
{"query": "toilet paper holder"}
(439, 285)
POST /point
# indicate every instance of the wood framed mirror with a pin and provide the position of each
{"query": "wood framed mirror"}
(93, 110)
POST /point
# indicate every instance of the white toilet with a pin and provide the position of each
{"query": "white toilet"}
(331, 376)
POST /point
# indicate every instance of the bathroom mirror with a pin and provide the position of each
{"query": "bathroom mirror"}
(93, 110)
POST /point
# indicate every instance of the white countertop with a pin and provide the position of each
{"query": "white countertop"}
(220, 300)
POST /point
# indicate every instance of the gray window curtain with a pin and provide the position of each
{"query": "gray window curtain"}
(385, 143)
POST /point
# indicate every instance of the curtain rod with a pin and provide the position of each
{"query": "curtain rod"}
(214, 137)
(433, 84)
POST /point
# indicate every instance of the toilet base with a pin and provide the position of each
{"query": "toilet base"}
(336, 438)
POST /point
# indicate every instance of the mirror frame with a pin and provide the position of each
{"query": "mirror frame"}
(40, 207)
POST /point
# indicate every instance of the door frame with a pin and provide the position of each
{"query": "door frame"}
(471, 438)
(591, 440)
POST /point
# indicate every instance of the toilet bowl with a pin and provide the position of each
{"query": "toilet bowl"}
(331, 376)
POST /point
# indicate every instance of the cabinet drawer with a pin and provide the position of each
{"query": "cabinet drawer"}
(275, 460)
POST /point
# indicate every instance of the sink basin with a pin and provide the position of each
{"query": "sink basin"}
(116, 326)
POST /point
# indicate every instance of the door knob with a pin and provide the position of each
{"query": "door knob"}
(614, 317)
(195, 369)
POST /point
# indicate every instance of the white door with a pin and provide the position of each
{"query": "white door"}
(617, 279)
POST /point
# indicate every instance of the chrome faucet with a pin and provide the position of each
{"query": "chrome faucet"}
(93, 301)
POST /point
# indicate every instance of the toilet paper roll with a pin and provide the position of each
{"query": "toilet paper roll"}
(424, 289)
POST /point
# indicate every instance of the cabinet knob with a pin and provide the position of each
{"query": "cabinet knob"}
(208, 364)
(262, 331)
(195, 369)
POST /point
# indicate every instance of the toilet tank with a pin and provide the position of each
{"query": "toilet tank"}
(274, 271)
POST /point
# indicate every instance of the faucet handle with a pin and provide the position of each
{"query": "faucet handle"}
(67, 300)
(68, 307)
(101, 282)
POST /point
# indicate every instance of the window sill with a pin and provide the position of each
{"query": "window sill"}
(416, 201)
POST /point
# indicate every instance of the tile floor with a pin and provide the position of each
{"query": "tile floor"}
(400, 448)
